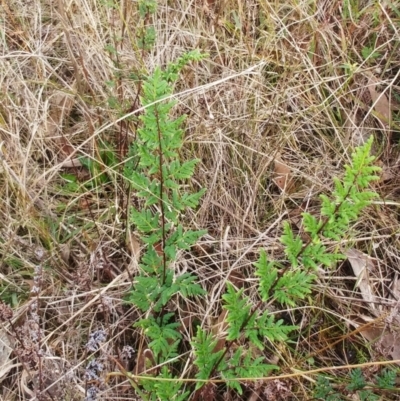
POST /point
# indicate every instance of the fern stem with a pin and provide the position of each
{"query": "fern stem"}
(163, 238)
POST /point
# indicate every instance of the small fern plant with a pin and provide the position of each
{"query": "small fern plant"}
(155, 171)
(286, 282)
(146, 33)
(357, 386)
(290, 281)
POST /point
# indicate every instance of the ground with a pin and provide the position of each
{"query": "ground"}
(285, 93)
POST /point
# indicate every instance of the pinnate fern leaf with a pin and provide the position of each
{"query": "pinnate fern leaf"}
(205, 357)
(238, 311)
(293, 244)
(267, 273)
(192, 200)
(186, 286)
(169, 389)
(145, 221)
(273, 330)
(243, 365)
(163, 334)
(143, 292)
(292, 286)
(181, 171)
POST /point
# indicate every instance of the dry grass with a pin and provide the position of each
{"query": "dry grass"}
(286, 84)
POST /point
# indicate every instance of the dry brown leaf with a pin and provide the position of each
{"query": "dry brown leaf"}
(380, 103)
(388, 343)
(282, 175)
(65, 252)
(133, 244)
(86, 203)
(206, 393)
(388, 173)
(145, 362)
(356, 134)
(396, 288)
(5, 352)
(60, 108)
(219, 330)
(66, 147)
(159, 249)
(237, 278)
(186, 317)
(361, 265)
(382, 333)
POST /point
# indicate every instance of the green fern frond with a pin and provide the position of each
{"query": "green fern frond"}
(311, 224)
(192, 200)
(163, 335)
(143, 295)
(273, 330)
(242, 364)
(316, 254)
(166, 389)
(157, 177)
(187, 287)
(238, 311)
(293, 285)
(357, 380)
(151, 261)
(387, 379)
(171, 73)
(293, 244)
(146, 221)
(267, 273)
(205, 357)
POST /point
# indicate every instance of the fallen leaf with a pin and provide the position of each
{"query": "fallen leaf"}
(66, 147)
(65, 252)
(386, 342)
(388, 173)
(60, 106)
(205, 393)
(396, 288)
(282, 175)
(219, 331)
(236, 278)
(159, 249)
(74, 163)
(361, 265)
(390, 344)
(380, 103)
(145, 363)
(133, 244)
(186, 318)
(5, 351)
(86, 203)
(356, 134)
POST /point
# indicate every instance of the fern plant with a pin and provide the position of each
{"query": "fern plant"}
(386, 381)
(158, 176)
(146, 35)
(288, 281)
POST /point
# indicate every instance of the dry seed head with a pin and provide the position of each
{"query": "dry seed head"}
(6, 312)
(95, 338)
